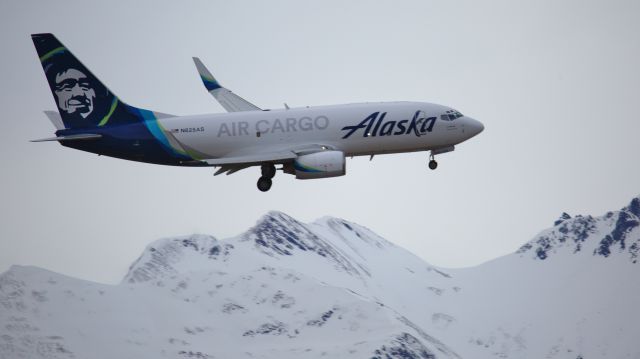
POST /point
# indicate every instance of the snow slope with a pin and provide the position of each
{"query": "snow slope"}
(571, 292)
(332, 288)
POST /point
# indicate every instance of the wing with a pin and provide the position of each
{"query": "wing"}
(232, 164)
(235, 163)
(253, 159)
(230, 101)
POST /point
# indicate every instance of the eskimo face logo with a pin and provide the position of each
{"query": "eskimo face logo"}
(74, 93)
(375, 125)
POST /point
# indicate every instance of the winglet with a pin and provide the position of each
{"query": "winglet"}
(210, 82)
(230, 101)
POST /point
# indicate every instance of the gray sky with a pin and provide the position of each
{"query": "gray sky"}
(556, 84)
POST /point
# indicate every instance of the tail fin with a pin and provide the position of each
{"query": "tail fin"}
(83, 101)
(55, 118)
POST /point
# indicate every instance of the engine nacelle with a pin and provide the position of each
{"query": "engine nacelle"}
(320, 165)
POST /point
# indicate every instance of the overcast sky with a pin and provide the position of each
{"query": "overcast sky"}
(556, 84)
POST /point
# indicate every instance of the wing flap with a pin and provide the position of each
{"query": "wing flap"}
(252, 158)
(231, 169)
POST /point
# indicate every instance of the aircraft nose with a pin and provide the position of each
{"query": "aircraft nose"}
(473, 127)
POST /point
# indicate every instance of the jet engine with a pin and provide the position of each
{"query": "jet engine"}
(319, 165)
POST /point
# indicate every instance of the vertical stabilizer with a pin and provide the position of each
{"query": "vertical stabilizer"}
(83, 100)
(54, 117)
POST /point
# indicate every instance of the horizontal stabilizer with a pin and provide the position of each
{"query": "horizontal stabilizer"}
(80, 137)
(230, 101)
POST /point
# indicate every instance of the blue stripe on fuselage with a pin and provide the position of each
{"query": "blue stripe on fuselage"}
(151, 122)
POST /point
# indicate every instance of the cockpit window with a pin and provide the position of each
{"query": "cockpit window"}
(450, 115)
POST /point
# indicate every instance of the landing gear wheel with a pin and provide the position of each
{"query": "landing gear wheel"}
(264, 184)
(268, 170)
(433, 164)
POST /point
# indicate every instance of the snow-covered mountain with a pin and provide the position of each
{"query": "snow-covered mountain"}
(571, 292)
(332, 288)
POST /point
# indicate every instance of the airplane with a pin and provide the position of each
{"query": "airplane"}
(308, 142)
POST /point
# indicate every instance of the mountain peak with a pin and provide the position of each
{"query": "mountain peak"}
(278, 233)
(279, 216)
(563, 217)
(358, 232)
(275, 234)
(174, 255)
(621, 238)
(634, 207)
(614, 233)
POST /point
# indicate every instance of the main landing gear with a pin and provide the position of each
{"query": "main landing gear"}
(268, 172)
(432, 162)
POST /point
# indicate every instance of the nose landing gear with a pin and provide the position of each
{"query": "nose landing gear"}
(268, 172)
(432, 162)
(437, 151)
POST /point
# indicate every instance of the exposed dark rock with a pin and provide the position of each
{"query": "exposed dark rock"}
(404, 346)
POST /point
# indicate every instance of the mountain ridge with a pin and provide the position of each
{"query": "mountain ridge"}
(284, 288)
(610, 231)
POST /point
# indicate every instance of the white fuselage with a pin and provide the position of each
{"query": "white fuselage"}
(354, 129)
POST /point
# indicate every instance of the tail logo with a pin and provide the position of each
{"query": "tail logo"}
(83, 101)
(74, 93)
